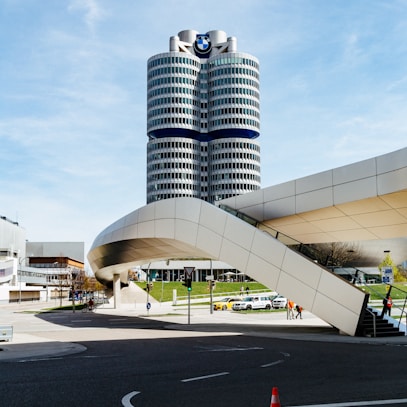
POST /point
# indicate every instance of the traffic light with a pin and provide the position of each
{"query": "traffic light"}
(188, 283)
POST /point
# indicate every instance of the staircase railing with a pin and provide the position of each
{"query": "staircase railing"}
(310, 252)
(401, 296)
(374, 321)
(402, 309)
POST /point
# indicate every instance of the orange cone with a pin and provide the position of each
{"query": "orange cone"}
(275, 400)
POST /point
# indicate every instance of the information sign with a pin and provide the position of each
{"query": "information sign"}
(387, 275)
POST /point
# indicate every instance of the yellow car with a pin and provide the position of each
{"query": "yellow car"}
(224, 304)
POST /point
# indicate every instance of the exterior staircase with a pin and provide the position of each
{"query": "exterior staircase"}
(384, 328)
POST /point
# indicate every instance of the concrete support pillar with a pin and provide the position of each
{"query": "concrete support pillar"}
(116, 290)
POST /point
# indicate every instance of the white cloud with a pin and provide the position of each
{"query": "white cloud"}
(93, 13)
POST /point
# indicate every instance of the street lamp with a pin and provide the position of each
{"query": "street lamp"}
(72, 288)
(19, 276)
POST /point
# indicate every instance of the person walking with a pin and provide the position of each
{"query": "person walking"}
(299, 311)
(290, 305)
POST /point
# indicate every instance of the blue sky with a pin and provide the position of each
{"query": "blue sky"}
(73, 96)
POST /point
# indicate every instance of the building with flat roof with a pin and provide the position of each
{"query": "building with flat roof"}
(203, 119)
(37, 271)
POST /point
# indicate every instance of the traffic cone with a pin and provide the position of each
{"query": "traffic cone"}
(275, 400)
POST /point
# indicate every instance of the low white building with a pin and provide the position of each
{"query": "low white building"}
(36, 271)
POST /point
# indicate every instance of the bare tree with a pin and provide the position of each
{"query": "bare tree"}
(336, 254)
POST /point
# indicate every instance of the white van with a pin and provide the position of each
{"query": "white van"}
(252, 302)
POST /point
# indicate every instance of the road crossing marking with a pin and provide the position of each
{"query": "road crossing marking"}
(191, 379)
(277, 362)
(225, 349)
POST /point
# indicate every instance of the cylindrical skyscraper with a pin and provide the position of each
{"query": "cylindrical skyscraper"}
(203, 119)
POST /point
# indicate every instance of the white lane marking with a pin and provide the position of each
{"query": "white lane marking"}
(277, 362)
(126, 399)
(61, 357)
(191, 379)
(287, 355)
(358, 403)
(38, 360)
(232, 349)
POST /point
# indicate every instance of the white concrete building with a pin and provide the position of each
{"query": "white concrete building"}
(365, 202)
(36, 271)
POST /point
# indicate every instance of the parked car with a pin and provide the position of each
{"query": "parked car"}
(225, 303)
(252, 302)
(279, 302)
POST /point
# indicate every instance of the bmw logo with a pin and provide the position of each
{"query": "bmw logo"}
(202, 44)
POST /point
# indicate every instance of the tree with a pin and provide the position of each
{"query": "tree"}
(336, 254)
(91, 284)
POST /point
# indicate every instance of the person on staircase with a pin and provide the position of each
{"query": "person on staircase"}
(387, 304)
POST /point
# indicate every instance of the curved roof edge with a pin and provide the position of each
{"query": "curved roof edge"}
(189, 227)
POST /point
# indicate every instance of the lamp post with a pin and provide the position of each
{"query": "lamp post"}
(73, 296)
(72, 288)
(60, 291)
(19, 276)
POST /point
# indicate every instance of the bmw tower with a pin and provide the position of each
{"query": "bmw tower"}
(203, 119)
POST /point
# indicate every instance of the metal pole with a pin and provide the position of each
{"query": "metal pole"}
(211, 295)
(73, 297)
(19, 277)
(60, 292)
(211, 288)
(189, 307)
(71, 275)
(148, 290)
(19, 293)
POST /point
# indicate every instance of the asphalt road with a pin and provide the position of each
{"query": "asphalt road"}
(212, 369)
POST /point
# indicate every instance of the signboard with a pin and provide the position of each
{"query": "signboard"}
(387, 275)
(188, 272)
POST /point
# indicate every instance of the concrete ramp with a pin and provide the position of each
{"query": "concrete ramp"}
(192, 228)
(133, 294)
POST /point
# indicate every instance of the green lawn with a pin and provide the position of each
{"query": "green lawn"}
(163, 291)
(378, 291)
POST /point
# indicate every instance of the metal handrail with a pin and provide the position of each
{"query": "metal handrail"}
(374, 321)
(304, 250)
(309, 252)
(402, 309)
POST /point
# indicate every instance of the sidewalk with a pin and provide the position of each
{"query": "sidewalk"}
(34, 338)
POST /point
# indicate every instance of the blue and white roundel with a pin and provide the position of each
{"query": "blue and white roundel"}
(202, 43)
